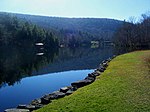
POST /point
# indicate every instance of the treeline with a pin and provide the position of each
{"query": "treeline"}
(74, 32)
(20, 33)
(69, 38)
(134, 34)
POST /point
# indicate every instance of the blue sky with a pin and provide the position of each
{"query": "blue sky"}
(115, 9)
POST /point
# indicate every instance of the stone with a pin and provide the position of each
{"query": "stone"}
(92, 75)
(54, 95)
(109, 59)
(89, 81)
(36, 101)
(45, 100)
(64, 89)
(104, 65)
(105, 61)
(21, 106)
(46, 96)
(81, 83)
(90, 78)
(69, 92)
(16, 110)
(97, 73)
(100, 70)
(113, 56)
(38, 106)
(57, 95)
(73, 88)
(29, 107)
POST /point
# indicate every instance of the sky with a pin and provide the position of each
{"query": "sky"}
(114, 9)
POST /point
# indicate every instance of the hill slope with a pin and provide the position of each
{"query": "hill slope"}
(76, 29)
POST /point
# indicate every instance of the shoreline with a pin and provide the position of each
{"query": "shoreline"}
(123, 87)
(62, 92)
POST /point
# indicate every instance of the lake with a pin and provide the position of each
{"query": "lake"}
(27, 74)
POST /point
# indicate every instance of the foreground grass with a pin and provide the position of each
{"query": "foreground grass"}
(123, 87)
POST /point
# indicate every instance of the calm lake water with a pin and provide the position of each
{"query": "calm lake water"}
(25, 75)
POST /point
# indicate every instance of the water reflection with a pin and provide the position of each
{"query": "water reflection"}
(35, 87)
(19, 65)
(77, 59)
(16, 63)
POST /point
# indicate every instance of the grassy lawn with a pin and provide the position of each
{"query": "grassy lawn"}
(123, 87)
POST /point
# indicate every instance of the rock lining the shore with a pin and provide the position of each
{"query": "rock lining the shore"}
(16, 110)
(64, 91)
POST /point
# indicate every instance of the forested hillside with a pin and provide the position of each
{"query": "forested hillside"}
(134, 34)
(20, 33)
(76, 31)
(19, 48)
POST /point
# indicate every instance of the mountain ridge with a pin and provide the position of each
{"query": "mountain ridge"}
(75, 31)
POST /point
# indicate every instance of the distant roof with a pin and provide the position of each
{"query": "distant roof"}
(39, 54)
(39, 44)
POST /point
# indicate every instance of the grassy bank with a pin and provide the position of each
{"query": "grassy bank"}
(123, 87)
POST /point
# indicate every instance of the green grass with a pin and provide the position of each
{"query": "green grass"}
(123, 87)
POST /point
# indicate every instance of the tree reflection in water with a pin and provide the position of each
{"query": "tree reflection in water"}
(16, 63)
